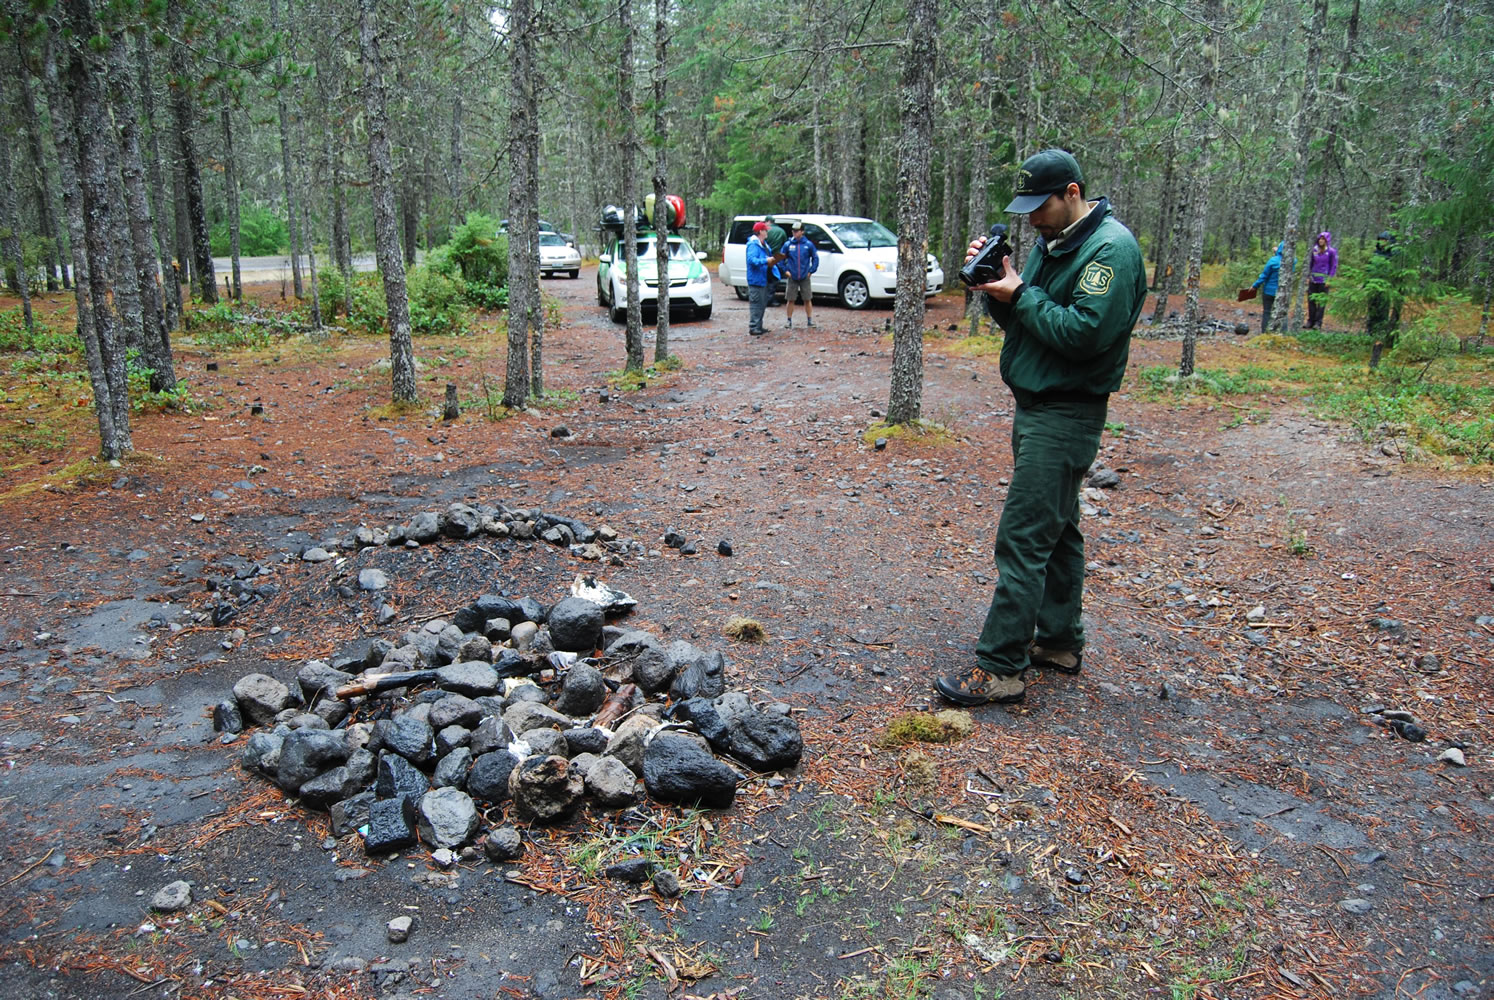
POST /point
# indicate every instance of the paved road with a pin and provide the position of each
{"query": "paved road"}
(278, 268)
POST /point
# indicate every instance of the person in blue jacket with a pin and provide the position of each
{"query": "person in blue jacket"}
(1267, 282)
(799, 260)
(759, 262)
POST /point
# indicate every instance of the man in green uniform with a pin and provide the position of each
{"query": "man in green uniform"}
(1068, 320)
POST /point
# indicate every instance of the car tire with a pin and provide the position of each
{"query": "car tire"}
(601, 299)
(619, 314)
(741, 292)
(702, 312)
(576, 273)
(855, 293)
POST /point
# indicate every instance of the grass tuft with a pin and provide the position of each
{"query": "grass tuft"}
(744, 629)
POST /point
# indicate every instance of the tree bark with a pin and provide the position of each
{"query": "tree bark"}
(905, 398)
(386, 221)
(46, 212)
(185, 112)
(287, 171)
(10, 246)
(661, 147)
(231, 198)
(171, 298)
(1293, 278)
(634, 336)
(517, 386)
(155, 336)
(454, 167)
(1198, 202)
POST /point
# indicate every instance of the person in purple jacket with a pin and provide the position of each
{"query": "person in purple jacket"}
(1324, 265)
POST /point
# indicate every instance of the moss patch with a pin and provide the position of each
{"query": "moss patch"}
(744, 629)
(924, 727)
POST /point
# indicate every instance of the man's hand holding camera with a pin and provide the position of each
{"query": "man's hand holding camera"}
(1004, 287)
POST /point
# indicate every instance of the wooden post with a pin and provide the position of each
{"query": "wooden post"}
(452, 410)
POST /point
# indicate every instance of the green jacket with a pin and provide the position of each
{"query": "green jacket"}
(1068, 335)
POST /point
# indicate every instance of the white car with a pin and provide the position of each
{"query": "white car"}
(557, 255)
(858, 257)
(689, 281)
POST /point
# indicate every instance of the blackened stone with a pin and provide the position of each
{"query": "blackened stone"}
(423, 527)
(635, 870)
(583, 690)
(666, 883)
(391, 825)
(491, 734)
(455, 710)
(575, 625)
(332, 711)
(545, 789)
(460, 521)
(307, 753)
(474, 616)
(407, 735)
(363, 768)
(475, 647)
(531, 610)
(451, 737)
(588, 740)
(318, 680)
(351, 813)
(677, 768)
(704, 676)
(227, 718)
(765, 741)
(654, 668)
(504, 844)
(398, 778)
(327, 788)
(512, 663)
(708, 721)
(262, 752)
(488, 779)
(724, 547)
(469, 677)
(451, 770)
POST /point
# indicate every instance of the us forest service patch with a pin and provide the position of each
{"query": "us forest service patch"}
(1096, 279)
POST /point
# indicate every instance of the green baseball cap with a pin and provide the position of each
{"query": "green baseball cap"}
(1043, 174)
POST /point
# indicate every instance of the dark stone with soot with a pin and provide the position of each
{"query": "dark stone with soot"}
(677, 768)
(398, 778)
(391, 825)
(576, 625)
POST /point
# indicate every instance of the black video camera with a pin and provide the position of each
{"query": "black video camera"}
(986, 265)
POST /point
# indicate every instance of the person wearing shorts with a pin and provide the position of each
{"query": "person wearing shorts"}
(799, 260)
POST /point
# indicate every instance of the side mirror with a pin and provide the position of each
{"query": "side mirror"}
(605, 258)
(700, 255)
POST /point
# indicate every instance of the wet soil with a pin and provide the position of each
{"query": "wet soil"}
(1212, 808)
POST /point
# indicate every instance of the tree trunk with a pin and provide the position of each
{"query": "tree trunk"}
(171, 299)
(86, 116)
(905, 398)
(1293, 278)
(634, 336)
(409, 214)
(231, 198)
(454, 167)
(46, 212)
(10, 246)
(517, 386)
(661, 146)
(185, 113)
(155, 336)
(980, 157)
(123, 280)
(386, 221)
(302, 170)
(287, 171)
(1198, 202)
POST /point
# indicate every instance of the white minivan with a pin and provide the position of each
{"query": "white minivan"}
(858, 257)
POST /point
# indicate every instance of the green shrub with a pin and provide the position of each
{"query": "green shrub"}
(437, 303)
(261, 233)
(477, 250)
(1426, 338)
(331, 287)
(41, 339)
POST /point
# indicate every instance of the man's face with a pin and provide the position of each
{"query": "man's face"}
(1056, 214)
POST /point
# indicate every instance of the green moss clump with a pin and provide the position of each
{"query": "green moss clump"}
(923, 727)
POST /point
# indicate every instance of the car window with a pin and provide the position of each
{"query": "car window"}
(862, 235)
(821, 239)
(551, 240)
(741, 231)
(678, 249)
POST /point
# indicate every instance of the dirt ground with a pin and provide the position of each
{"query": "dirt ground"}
(1213, 808)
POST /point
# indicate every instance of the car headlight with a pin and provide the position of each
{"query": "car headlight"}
(701, 279)
(884, 265)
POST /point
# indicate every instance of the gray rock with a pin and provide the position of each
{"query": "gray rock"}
(635, 870)
(316, 554)
(1103, 478)
(488, 778)
(423, 528)
(469, 677)
(1453, 756)
(327, 788)
(172, 897)
(545, 742)
(491, 734)
(398, 929)
(451, 770)
(455, 710)
(370, 578)
(351, 813)
(764, 741)
(677, 768)
(475, 616)
(449, 738)
(666, 883)
(227, 718)
(332, 711)
(1356, 906)
(582, 764)
(260, 697)
(504, 844)
(611, 783)
(588, 740)
(460, 521)
(523, 635)
(447, 817)
(497, 629)
(628, 739)
(262, 752)
(531, 715)
(475, 647)
(449, 644)
(704, 676)
(582, 691)
(545, 790)
(575, 625)
(407, 735)
(391, 825)
(654, 667)
(294, 720)
(398, 778)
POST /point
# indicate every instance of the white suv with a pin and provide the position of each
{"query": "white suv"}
(858, 257)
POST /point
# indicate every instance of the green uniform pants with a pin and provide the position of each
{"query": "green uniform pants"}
(1039, 550)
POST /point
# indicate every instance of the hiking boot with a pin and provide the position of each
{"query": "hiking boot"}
(979, 687)
(1065, 661)
(790, 324)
